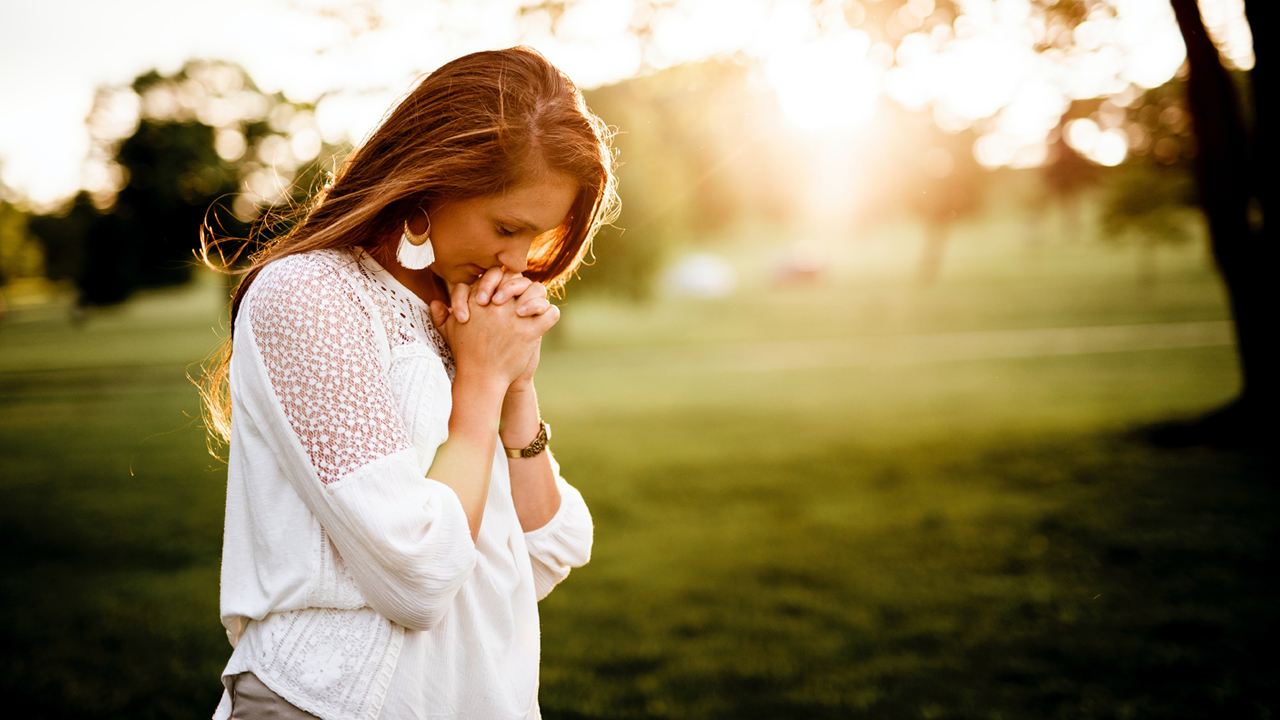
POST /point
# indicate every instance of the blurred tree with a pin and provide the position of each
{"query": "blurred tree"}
(64, 235)
(170, 155)
(1233, 150)
(1231, 144)
(691, 166)
(20, 254)
(1150, 199)
(1067, 176)
(1150, 205)
(147, 237)
(1230, 140)
(1232, 166)
(946, 185)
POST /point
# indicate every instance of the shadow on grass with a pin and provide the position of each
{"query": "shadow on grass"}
(1241, 425)
(1133, 583)
(1084, 577)
(109, 542)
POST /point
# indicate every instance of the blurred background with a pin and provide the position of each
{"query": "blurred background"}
(920, 378)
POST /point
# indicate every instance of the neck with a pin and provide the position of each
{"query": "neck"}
(422, 283)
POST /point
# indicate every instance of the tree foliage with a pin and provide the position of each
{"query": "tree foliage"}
(200, 150)
(693, 163)
(20, 255)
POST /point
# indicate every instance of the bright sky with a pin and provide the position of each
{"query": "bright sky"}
(54, 53)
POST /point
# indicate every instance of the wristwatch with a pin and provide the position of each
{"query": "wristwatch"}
(537, 446)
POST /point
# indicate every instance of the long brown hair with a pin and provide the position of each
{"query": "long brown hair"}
(479, 125)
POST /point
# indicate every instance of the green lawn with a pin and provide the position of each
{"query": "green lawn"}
(791, 522)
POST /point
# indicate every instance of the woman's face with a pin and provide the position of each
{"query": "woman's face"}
(471, 236)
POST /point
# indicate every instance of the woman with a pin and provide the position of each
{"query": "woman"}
(383, 556)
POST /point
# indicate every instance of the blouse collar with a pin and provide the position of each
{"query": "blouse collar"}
(395, 286)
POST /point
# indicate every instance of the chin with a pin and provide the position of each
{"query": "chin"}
(456, 275)
(471, 273)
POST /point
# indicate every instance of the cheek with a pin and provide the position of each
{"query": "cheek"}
(453, 239)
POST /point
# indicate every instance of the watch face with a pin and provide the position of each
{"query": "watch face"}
(534, 448)
(539, 443)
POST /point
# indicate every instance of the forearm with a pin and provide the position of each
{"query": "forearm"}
(533, 483)
(464, 462)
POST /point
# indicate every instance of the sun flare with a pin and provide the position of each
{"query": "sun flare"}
(827, 83)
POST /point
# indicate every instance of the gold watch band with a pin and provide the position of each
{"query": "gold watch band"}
(537, 446)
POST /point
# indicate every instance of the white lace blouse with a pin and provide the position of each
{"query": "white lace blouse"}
(350, 583)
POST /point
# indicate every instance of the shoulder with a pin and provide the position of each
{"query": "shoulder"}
(318, 269)
(312, 284)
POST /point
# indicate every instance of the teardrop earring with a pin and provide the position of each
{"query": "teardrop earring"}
(415, 251)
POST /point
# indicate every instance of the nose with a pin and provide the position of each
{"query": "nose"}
(515, 257)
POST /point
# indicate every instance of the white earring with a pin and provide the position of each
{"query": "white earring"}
(415, 251)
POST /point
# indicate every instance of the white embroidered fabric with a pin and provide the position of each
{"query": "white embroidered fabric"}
(404, 318)
(318, 350)
(326, 649)
(350, 582)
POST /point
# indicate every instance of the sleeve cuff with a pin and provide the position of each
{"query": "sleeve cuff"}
(563, 543)
(405, 539)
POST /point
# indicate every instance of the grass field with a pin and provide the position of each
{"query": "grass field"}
(858, 498)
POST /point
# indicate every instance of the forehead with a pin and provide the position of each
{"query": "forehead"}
(543, 202)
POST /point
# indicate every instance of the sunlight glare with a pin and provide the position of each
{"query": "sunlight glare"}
(1105, 147)
(823, 68)
(688, 32)
(827, 83)
(1111, 148)
(1152, 48)
(1227, 25)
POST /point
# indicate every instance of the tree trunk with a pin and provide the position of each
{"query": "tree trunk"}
(1070, 210)
(1148, 271)
(1261, 16)
(1226, 173)
(936, 231)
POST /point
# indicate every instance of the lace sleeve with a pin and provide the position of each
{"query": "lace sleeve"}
(318, 345)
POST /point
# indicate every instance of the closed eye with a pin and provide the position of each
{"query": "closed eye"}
(506, 232)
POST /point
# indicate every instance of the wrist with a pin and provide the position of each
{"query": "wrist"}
(521, 420)
(477, 402)
(519, 436)
(534, 447)
(487, 388)
(520, 388)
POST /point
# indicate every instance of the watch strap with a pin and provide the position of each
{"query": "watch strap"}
(534, 448)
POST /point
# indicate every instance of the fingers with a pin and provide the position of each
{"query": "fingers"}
(458, 300)
(487, 284)
(513, 285)
(533, 301)
(439, 313)
(549, 317)
(533, 307)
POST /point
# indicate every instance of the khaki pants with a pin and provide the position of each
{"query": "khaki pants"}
(251, 700)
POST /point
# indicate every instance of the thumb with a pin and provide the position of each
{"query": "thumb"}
(439, 313)
(458, 297)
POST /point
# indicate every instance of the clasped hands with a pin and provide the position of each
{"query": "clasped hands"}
(494, 327)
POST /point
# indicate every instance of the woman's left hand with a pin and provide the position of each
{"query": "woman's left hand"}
(531, 301)
(524, 382)
(497, 286)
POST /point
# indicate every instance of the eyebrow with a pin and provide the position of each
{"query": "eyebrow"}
(519, 222)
